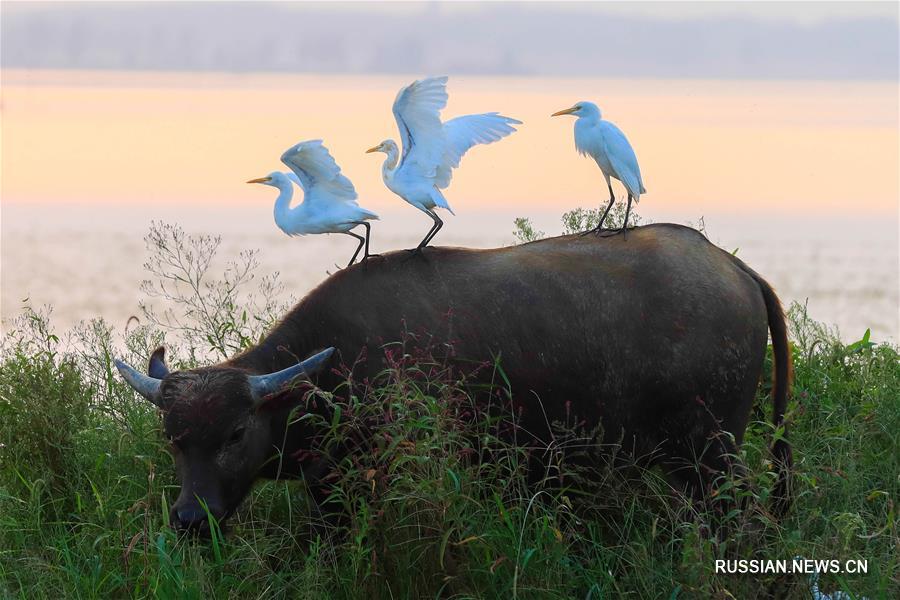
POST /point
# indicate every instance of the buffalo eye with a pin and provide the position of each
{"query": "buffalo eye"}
(173, 443)
(237, 435)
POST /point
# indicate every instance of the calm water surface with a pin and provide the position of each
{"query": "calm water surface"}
(87, 263)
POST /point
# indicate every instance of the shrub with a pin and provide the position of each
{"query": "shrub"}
(577, 220)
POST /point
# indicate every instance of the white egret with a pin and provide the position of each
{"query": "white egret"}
(608, 146)
(329, 203)
(431, 149)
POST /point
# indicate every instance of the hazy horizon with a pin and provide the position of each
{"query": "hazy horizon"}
(722, 40)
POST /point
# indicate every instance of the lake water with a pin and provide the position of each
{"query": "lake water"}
(800, 177)
(88, 263)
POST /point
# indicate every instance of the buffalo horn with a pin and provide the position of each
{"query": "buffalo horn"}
(146, 386)
(263, 385)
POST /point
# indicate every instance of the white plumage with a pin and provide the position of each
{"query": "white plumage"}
(432, 149)
(608, 146)
(329, 203)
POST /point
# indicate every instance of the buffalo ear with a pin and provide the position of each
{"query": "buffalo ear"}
(157, 368)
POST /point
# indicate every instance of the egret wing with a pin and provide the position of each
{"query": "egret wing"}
(318, 173)
(622, 158)
(461, 133)
(417, 110)
(293, 177)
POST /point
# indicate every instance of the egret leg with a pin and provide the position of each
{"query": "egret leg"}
(624, 229)
(438, 223)
(612, 198)
(599, 226)
(368, 227)
(362, 242)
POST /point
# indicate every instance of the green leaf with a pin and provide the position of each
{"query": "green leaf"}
(527, 557)
(336, 417)
(455, 478)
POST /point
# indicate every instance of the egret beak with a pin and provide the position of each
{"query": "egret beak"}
(260, 180)
(375, 149)
(567, 111)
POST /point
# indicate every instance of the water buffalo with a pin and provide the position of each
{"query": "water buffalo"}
(660, 339)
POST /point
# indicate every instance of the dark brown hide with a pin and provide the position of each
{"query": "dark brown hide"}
(660, 338)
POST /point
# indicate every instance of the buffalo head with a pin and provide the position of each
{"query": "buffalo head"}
(224, 428)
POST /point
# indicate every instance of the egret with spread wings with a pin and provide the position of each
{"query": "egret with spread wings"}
(608, 146)
(329, 203)
(432, 149)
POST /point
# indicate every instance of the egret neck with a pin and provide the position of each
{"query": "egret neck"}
(283, 202)
(390, 162)
(587, 119)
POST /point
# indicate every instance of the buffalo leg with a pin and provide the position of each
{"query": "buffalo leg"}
(698, 467)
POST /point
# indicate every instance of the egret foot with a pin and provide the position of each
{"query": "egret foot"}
(612, 198)
(624, 231)
(365, 260)
(415, 252)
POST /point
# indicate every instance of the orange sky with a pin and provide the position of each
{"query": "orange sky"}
(740, 146)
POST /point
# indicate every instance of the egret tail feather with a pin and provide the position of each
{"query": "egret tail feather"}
(439, 200)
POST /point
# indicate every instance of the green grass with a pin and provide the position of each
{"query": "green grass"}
(86, 480)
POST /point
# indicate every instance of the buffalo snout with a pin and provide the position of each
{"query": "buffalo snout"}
(192, 518)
